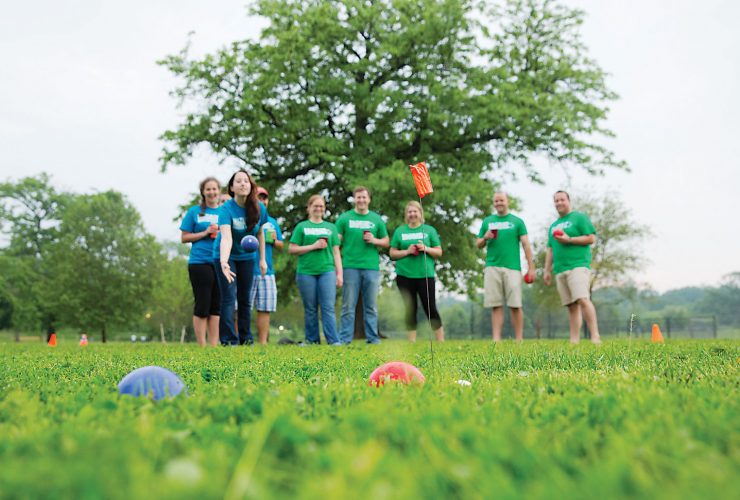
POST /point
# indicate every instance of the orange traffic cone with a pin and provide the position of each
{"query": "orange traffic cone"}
(53, 340)
(83, 339)
(657, 336)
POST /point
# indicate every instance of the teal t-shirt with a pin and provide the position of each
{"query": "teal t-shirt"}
(201, 251)
(316, 261)
(503, 251)
(564, 256)
(415, 266)
(231, 214)
(356, 252)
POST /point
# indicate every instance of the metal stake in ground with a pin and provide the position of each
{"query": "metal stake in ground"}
(423, 183)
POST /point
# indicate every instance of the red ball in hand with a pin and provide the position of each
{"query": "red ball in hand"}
(527, 279)
(558, 232)
(396, 371)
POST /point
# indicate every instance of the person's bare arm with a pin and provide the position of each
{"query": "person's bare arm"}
(586, 239)
(295, 249)
(548, 266)
(524, 239)
(338, 266)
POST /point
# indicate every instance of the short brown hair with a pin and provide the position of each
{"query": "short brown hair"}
(359, 189)
(564, 192)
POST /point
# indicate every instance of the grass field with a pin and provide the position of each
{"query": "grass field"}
(541, 420)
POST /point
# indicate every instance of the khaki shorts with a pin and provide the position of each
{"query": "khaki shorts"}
(573, 285)
(502, 285)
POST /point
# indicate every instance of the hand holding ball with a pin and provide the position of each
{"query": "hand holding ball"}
(527, 279)
(558, 232)
(249, 243)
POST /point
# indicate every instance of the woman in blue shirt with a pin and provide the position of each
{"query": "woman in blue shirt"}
(243, 214)
(200, 227)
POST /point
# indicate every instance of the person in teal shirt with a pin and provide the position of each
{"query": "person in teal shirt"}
(200, 227)
(242, 215)
(568, 256)
(502, 233)
(319, 272)
(363, 233)
(414, 247)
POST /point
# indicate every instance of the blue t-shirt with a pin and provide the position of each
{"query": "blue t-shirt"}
(269, 225)
(202, 250)
(235, 216)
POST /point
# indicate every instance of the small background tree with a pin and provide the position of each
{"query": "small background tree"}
(102, 268)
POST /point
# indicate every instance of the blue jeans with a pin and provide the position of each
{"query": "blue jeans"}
(236, 291)
(319, 291)
(356, 282)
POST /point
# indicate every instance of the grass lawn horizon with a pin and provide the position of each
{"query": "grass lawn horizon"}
(539, 420)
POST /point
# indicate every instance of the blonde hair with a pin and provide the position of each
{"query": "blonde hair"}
(314, 198)
(415, 204)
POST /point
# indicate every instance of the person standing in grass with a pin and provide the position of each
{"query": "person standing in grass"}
(200, 228)
(502, 233)
(569, 257)
(414, 247)
(264, 289)
(319, 273)
(243, 214)
(363, 233)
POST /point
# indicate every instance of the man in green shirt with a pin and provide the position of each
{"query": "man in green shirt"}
(568, 256)
(363, 233)
(502, 233)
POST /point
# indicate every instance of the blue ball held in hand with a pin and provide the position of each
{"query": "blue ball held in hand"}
(250, 243)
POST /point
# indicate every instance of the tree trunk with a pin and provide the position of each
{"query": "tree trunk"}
(161, 333)
(104, 336)
(182, 335)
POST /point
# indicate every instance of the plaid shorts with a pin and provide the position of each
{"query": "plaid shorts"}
(264, 293)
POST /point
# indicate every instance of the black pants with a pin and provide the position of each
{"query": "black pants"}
(410, 289)
(205, 290)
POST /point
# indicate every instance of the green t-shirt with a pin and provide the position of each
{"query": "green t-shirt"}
(412, 266)
(503, 251)
(564, 256)
(356, 252)
(316, 261)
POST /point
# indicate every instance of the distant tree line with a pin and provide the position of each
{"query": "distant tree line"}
(84, 261)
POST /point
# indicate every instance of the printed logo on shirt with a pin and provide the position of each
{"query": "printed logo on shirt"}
(209, 218)
(500, 225)
(316, 231)
(361, 224)
(238, 224)
(413, 236)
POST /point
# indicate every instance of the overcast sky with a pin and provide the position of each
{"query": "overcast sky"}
(82, 98)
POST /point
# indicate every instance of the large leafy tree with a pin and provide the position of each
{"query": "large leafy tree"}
(339, 93)
(30, 215)
(103, 265)
(30, 212)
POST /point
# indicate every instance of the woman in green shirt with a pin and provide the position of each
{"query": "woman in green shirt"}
(414, 246)
(319, 272)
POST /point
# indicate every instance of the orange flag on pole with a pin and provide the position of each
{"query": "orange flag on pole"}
(421, 179)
